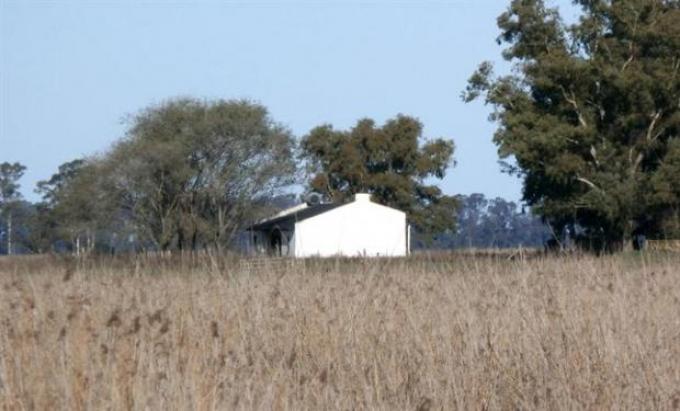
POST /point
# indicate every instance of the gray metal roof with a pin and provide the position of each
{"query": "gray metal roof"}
(293, 217)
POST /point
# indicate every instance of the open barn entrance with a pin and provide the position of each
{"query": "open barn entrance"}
(275, 240)
(278, 243)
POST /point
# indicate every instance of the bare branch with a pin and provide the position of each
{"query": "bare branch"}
(572, 100)
(635, 164)
(631, 45)
(593, 153)
(589, 183)
(650, 130)
(630, 60)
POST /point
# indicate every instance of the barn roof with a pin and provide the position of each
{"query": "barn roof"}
(293, 214)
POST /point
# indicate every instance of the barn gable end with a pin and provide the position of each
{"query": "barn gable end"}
(358, 228)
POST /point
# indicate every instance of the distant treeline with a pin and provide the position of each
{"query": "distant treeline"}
(480, 223)
(493, 223)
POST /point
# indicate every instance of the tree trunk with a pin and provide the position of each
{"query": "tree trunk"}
(9, 234)
(194, 240)
(180, 239)
(90, 240)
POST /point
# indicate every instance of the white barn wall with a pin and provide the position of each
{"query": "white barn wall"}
(354, 229)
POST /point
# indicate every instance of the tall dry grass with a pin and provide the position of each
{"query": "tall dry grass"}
(444, 333)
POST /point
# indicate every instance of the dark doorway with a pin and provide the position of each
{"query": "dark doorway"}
(275, 242)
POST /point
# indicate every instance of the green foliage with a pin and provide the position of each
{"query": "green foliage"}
(591, 113)
(75, 205)
(10, 173)
(190, 172)
(665, 192)
(493, 223)
(387, 162)
(53, 189)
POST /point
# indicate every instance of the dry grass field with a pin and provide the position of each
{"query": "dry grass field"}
(432, 333)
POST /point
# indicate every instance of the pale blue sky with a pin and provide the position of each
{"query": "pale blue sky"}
(71, 70)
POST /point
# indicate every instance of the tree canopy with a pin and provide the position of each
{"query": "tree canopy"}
(590, 116)
(493, 223)
(10, 173)
(190, 172)
(389, 162)
(75, 204)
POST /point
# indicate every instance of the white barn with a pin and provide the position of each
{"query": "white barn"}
(357, 228)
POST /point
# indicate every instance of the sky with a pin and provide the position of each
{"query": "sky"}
(71, 71)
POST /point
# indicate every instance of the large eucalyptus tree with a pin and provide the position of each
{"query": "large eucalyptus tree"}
(591, 114)
(393, 162)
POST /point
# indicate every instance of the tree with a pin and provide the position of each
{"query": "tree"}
(387, 162)
(75, 204)
(53, 188)
(470, 216)
(499, 223)
(10, 173)
(39, 228)
(23, 217)
(590, 114)
(665, 193)
(494, 223)
(190, 172)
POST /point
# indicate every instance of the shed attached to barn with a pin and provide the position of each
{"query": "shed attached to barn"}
(357, 228)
